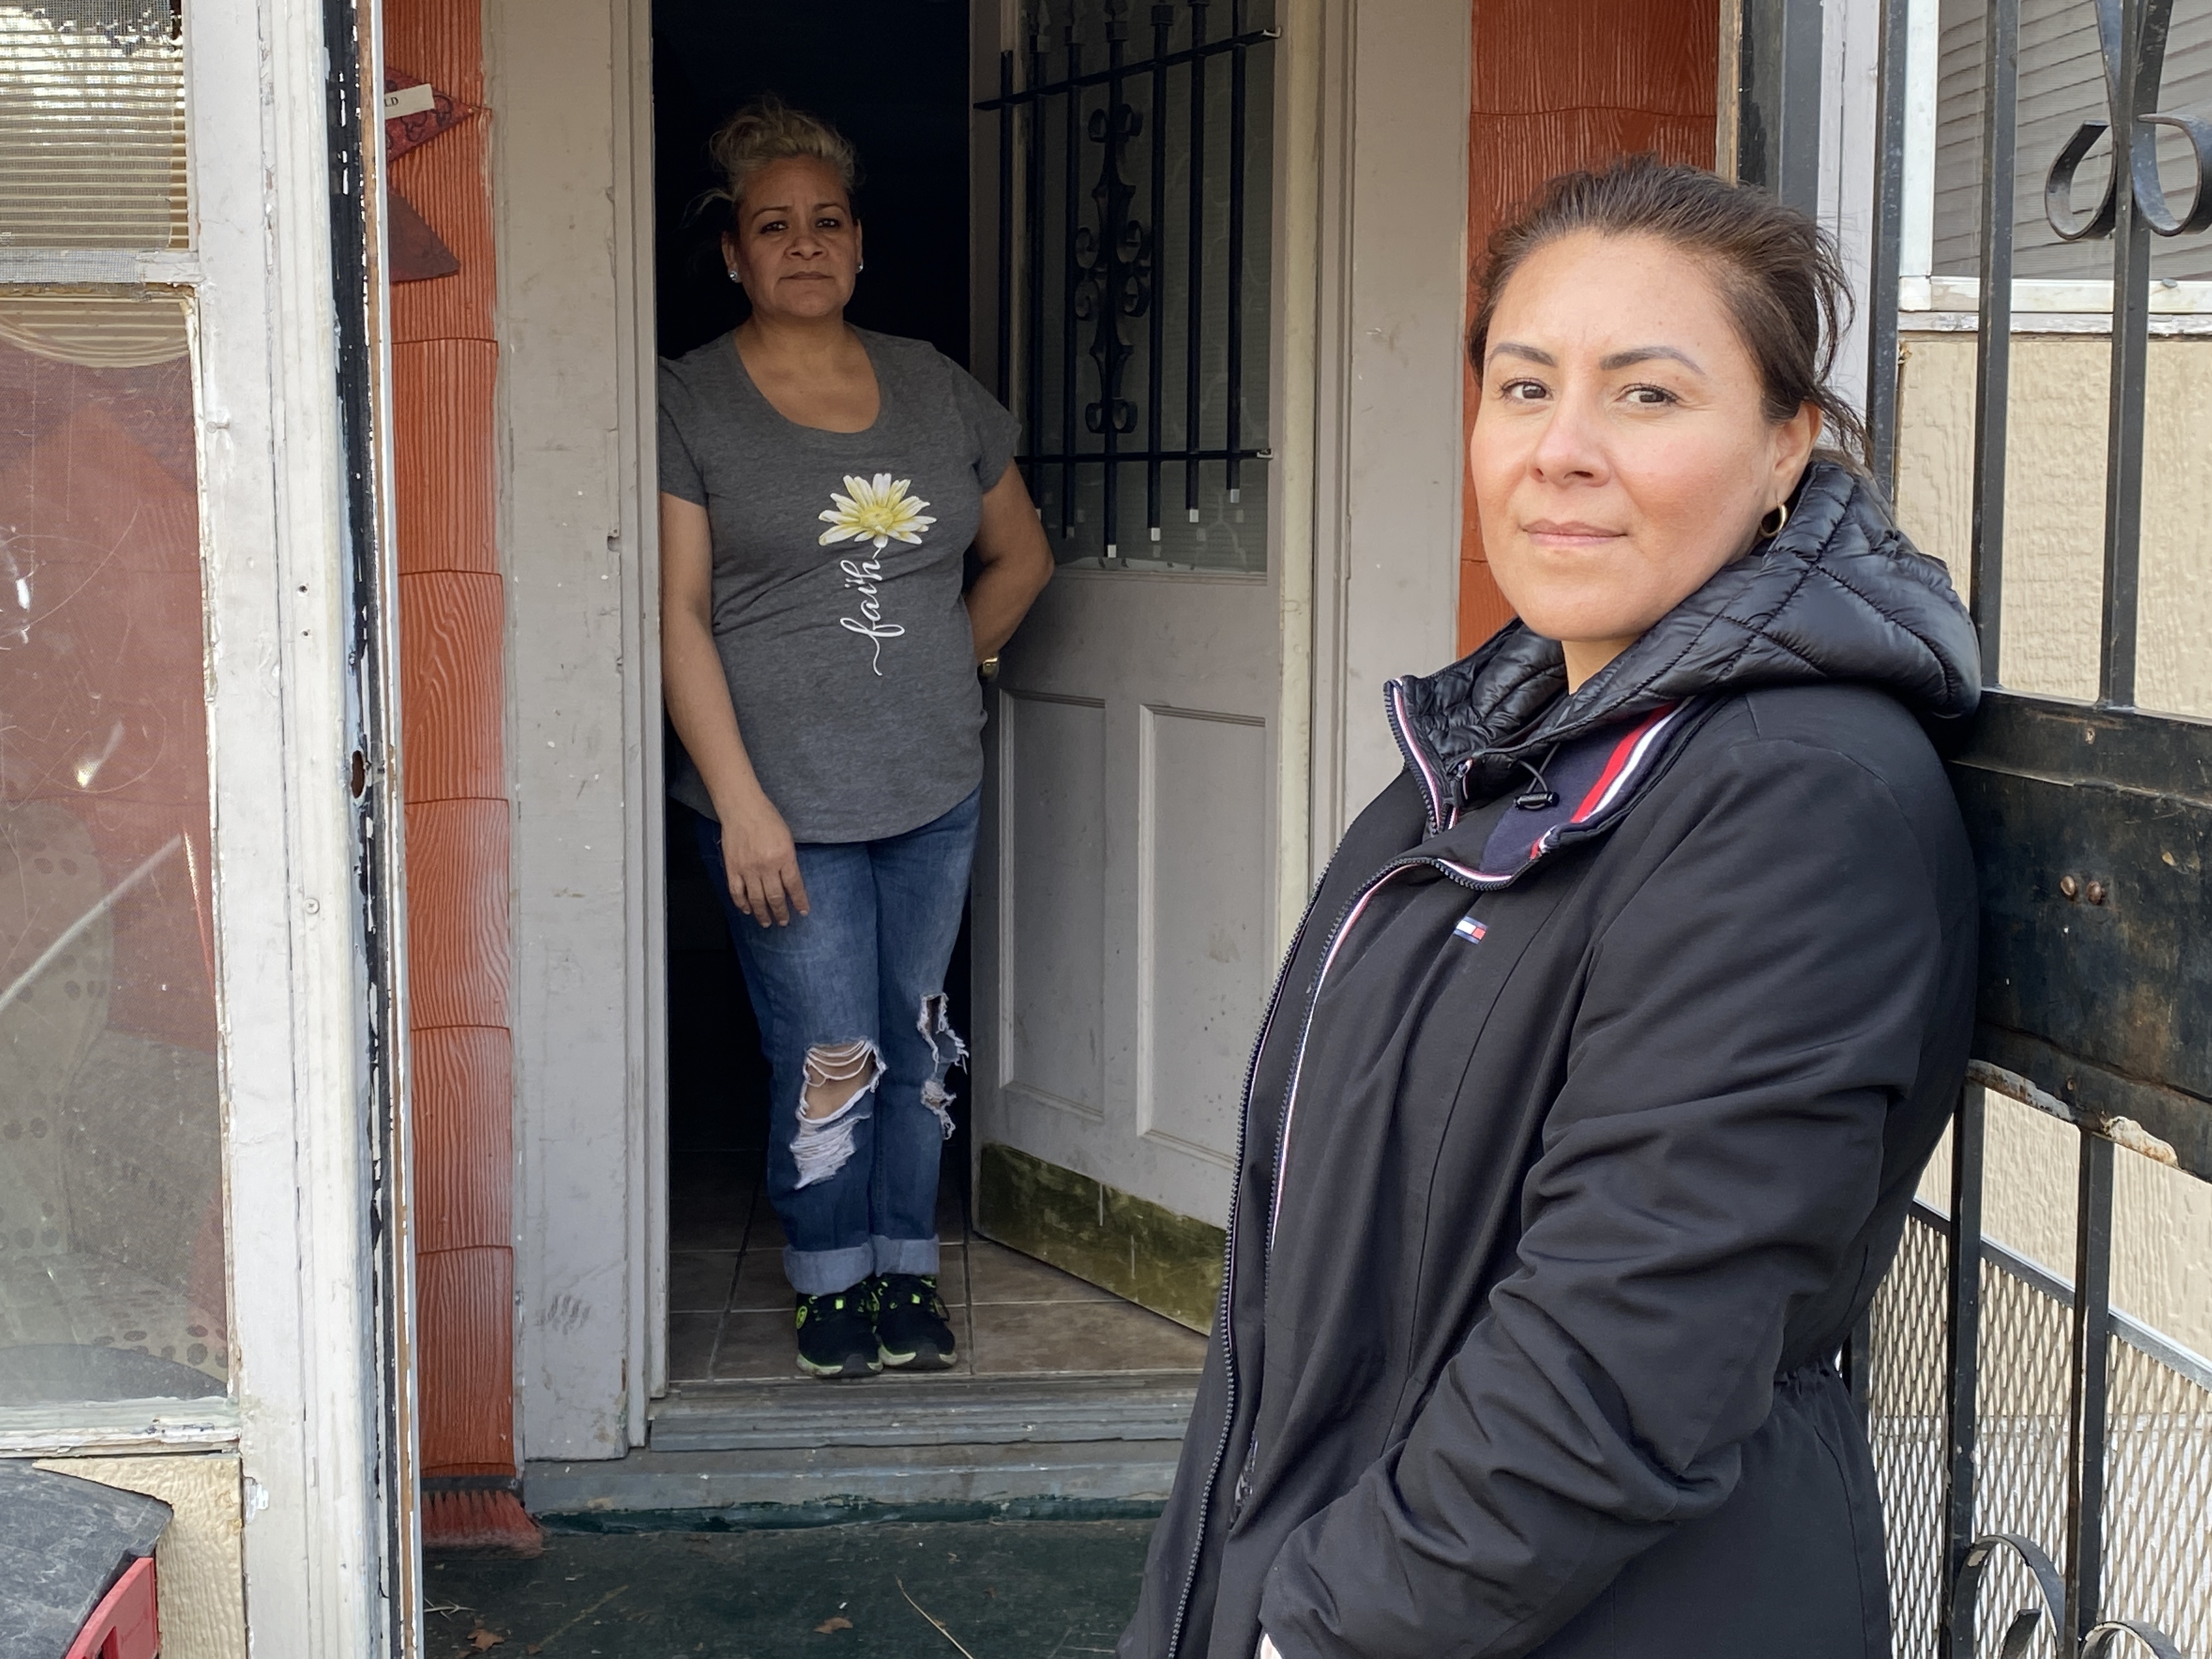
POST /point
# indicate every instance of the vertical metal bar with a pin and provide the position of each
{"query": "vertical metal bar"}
(1112, 199)
(1993, 344)
(1196, 275)
(2092, 1283)
(1033, 284)
(1007, 116)
(1235, 438)
(1071, 274)
(1888, 238)
(2139, 59)
(1156, 339)
(1962, 1361)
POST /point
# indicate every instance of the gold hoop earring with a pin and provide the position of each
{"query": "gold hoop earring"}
(1780, 514)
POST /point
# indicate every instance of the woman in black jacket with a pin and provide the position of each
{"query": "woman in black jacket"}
(1592, 1094)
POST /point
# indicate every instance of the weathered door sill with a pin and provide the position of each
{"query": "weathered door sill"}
(774, 1453)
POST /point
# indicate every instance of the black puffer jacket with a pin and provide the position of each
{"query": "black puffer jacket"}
(1577, 1173)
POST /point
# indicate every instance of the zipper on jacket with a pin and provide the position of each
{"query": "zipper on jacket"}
(1425, 766)
(1228, 1284)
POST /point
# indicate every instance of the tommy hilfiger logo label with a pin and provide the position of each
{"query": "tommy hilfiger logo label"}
(1470, 930)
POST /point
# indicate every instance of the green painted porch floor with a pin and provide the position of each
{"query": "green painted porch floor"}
(1006, 1590)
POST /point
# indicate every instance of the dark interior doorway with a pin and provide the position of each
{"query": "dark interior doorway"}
(892, 75)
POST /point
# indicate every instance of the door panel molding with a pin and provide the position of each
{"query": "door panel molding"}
(1202, 924)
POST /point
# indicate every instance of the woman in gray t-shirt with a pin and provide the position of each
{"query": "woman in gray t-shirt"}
(820, 486)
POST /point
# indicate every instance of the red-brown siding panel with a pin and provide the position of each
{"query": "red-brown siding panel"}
(457, 936)
(464, 1302)
(450, 623)
(444, 180)
(445, 364)
(442, 406)
(463, 1083)
(1559, 84)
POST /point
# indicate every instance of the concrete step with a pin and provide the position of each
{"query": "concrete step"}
(940, 1410)
(777, 1453)
(786, 1485)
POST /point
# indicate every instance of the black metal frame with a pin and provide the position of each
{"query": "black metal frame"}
(1110, 260)
(356, 273)
(2092, 822)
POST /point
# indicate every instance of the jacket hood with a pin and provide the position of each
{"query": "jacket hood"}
(1838, 595)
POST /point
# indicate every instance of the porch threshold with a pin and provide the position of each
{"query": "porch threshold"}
(806, 1453)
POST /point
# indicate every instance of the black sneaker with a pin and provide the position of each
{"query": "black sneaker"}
(837, 1332)
(911, 1328)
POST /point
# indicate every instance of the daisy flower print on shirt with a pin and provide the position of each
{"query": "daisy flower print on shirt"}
(877, 511)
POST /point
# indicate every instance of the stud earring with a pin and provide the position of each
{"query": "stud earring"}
(1780, 515)
(738, 279)
(860, 267)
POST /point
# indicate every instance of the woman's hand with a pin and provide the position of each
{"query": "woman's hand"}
(762, 863)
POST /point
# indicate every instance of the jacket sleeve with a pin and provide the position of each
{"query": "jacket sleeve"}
(1748, 1017)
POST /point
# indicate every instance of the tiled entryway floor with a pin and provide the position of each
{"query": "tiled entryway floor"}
(729, 1304)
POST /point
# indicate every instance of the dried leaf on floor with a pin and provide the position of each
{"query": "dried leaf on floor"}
(483, 1640)
(833, 1623)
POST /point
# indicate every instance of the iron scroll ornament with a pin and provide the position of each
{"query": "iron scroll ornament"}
(2140, 92)
(1114, 270)
(2050, 1612)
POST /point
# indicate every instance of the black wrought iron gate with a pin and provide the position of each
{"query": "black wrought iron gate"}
(1991, 1384)
(1133, 237)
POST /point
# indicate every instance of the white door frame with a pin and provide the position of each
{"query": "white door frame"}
(1389, 331)
(307, 1413)
(1371, 226)
(569, 83)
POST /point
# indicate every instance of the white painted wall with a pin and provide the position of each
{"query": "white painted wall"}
(2055, 504)
(560, 80)
(1850, 65)
(1395, 89)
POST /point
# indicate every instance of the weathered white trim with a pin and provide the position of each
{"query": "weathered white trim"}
(1394, 90)
(646, 976)
(571, 538)
(2163, 325)
(2032, 295)
(1850, 75)
(1923, 40)
(292, 988)
(128, 1425)
(1292, 386)
(38, 267)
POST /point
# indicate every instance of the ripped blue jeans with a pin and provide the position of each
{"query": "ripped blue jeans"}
(854, 992)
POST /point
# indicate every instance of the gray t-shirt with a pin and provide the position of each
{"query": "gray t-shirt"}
(838, 559)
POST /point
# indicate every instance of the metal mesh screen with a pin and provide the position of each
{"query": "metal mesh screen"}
(2157, 1498)
(2157, 1504)
(1905, 1425)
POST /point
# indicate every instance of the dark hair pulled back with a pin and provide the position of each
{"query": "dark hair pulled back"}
(1778, 271)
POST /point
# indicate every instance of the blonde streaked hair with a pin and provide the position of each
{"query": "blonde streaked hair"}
(767, 130)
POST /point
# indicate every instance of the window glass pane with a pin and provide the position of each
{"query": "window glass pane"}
(1149, 259)
(91, 123)
(2062, 85)
(112, 1265)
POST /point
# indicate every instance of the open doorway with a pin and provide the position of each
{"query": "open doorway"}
(729, 1304)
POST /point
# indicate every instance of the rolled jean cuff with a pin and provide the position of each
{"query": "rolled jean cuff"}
(824, 1272)
(905, 1255)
